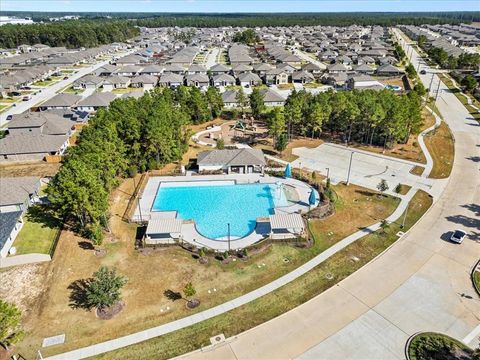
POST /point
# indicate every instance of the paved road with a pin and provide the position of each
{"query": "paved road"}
(51, 91)
(305, 57)
(421, 283)
(211, 58)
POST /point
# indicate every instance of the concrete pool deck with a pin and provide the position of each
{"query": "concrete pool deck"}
(189, 233)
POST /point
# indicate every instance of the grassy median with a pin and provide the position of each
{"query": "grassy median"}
(441, 146)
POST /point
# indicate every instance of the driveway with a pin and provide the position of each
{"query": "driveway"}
(211, 58)
(367, 169)
(51, 91)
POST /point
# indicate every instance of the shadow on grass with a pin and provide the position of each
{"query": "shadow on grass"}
(44, 215)
(172, 295)
(78, 295)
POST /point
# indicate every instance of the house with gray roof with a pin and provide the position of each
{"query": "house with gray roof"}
(229, 98)
(241, 161)
(249, 79)
(10, 225)
(223, 80)
(18, 193)
(171, 80)
(23, 147)
(388, 70)
(61, 101)
(88, 82)
(272, 98)
(218, 69)
(115, 82)
(95, 101)
(197, 80)
(35, 123)
(302, 77)
(145, 81)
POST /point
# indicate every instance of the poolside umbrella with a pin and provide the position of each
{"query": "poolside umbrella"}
(312, 198)
(288, 171)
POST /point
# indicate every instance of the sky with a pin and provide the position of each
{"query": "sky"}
(239, 6)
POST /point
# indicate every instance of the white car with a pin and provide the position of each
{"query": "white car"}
(458, 236)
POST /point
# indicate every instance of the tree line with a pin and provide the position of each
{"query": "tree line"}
(132, 135)
(370, 117)
(71, 33)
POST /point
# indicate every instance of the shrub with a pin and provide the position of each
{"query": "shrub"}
(104, 289)
(220, 144)
(132, 171)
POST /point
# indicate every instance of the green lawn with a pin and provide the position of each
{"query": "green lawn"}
(44, 83)
(430, 345)
(476, 279)
(316, 281)
(38, 233)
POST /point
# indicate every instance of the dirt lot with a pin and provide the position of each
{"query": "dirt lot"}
(267, 147)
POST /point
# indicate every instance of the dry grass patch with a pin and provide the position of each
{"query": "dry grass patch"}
(441, 146)
(42, 169)
(417, 170)
(287, 155)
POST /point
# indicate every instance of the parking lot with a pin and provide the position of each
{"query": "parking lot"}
(367, 169)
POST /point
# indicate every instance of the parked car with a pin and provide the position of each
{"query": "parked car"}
(65, 78)
(26, 98)
(15, 93)
(26, 88)
(423, 71)
(458, 236)
(9, 117)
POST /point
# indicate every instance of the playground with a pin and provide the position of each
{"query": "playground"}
(245, 130)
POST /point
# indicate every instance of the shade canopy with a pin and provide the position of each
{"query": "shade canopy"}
(288, 171)
(313, 198)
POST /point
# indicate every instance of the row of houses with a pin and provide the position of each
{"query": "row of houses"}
(20, 78)
(432, 40)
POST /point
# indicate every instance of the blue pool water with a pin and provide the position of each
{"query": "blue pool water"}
(213, 207)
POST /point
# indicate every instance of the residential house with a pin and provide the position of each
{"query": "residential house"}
(276, 76)
(249, 79)
(145, 81)
(61, 101)
(229, 98)
(223, 80)
(88, 82)
(116, 82)
(196, 69)
(16, 195)
(363, 82)
(36, 123)
(25, 147)
(95, 101)
(364, 69)
(154, 69)
(302, 77)
(171, 80)
(272, 98)
(128, 70)
(388, 70)
(219, 69)
(197, 80)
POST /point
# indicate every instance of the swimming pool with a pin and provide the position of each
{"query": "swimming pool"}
(214, 206)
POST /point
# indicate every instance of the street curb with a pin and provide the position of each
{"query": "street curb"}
(407, 344)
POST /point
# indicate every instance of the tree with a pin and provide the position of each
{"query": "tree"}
(189, 291)
(276, 124)
(220, 144)
(384, 225)
(246, 37)
(469, 83)
(420, 89)
(257, 103)
(10, 318)
(104, 290)
(241, 99)
(215, 101)
(421, 40)
(281, 143)
(410, 70)
(382, 186)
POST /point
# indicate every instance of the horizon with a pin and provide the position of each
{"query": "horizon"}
(239, 7)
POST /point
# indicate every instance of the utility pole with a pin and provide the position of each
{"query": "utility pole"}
(438, 90)
(328, 173)
(140, 208)
(430, 86)
(350, 167)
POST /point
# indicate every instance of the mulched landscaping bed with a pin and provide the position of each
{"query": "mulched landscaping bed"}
(109, 312)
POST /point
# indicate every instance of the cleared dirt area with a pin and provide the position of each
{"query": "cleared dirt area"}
(267, 147)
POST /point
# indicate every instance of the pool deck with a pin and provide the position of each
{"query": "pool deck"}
(189, 232)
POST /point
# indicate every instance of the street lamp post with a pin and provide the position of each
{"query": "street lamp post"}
(328, 173)
(228, 237)
(350, 167)
(140, 208)
(404, 218)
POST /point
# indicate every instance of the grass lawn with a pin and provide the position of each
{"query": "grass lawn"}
(417, 170)
(71, 90)
(8, 100)
(4, 107)
(403, 189)
(312, 85)
(430, 345)
(278, 302)
(169, 268)
(441, 146)
(124, 91)
(44, 83)
(288, 86)
(38, 232)
(476, 279)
